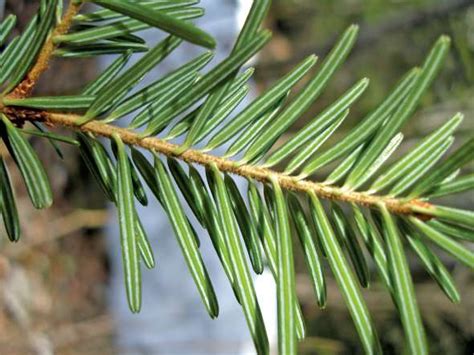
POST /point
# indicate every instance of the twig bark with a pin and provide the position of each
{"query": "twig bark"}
(226, 165)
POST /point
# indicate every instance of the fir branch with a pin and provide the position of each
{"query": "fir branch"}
(397, 206)
(223, 211)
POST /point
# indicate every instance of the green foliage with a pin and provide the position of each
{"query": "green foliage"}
(186, 238)
(286, 275)
(53, 103)
(122, 26)
(128, 237)
(158, 19)
(32, 45)
(403, 286)
(6, 26)
(16, 50)
(33, 173)
(9, 210)
(244, 286)
(376, 211)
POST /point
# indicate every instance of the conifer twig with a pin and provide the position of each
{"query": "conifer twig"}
(131, 138)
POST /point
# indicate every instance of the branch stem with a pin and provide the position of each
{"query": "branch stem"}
(131, 138)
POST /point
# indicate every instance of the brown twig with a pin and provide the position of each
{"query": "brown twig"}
(226, 165)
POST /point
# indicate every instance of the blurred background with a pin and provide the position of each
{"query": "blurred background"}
(54, 283)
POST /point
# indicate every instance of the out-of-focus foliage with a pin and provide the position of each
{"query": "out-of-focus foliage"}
(393, 36)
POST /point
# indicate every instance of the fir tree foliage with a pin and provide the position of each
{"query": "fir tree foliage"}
(377, 210)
